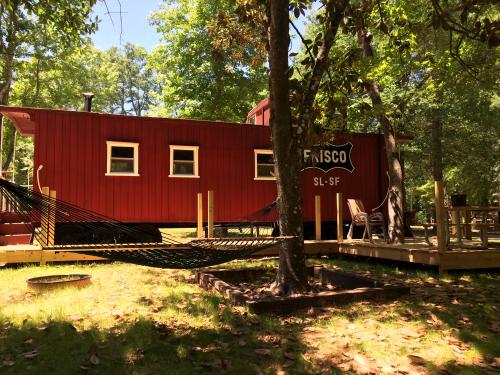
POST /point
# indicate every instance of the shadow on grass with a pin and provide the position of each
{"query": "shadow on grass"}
(149, 346)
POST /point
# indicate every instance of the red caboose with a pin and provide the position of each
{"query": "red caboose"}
(149, 170)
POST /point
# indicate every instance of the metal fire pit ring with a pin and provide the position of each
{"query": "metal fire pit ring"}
(51, 282)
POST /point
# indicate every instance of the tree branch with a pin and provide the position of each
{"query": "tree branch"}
(335, 11)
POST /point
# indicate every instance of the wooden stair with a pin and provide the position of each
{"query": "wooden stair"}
(13, 231)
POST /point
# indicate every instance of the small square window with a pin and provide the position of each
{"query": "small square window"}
(264, 165)
(122, 159)
(184, 161)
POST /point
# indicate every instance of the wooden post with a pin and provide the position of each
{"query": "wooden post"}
(52, 218)
(44, 224)
(340, 219)
(199, 230)
(440, 222)
(455, 219)
(210, 214)
(468, 225)
(317, 215)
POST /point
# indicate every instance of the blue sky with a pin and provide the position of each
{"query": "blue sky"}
(135, 25)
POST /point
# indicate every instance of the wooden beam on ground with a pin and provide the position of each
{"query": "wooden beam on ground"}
(210, 213)
(199, 230)
(340, 219)
(317, 216)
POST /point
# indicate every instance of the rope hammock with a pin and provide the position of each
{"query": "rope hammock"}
(61, 226)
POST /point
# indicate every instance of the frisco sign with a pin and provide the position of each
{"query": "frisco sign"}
(329, 157)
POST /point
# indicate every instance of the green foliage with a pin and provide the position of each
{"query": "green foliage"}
(120, 79)
(36, 30)
(204, 73)
(424, 73)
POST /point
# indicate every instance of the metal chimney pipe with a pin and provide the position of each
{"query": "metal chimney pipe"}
(87, 106)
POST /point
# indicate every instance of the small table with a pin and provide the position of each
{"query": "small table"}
(484, 211)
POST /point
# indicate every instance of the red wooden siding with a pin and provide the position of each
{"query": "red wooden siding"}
(259, 115)
(72, 148)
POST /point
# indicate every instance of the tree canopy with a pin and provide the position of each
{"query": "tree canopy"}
(202, 73)
(413, 65)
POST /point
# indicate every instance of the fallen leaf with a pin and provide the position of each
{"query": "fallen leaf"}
(94, 359)
(416, 360)
(30, 354)
(242, 342)
(495, 326)
(262, 351)
(289, 355)
(346, 354)
(8, 362)
(435, 320)
(360, 364)
(209, 348)
(28, 341)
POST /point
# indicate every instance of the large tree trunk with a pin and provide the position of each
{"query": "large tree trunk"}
(4, 100)
(396, 201)
(9, 50)
(292, 273)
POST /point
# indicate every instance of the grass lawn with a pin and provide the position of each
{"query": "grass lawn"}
(139, 320)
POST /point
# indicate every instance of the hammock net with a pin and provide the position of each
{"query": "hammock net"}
(61, 226)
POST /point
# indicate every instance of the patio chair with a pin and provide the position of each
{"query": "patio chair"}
(361, 218)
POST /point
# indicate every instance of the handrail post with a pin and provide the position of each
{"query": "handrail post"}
(199, 231)
(210, 214)
(340, 219)
(317, 216)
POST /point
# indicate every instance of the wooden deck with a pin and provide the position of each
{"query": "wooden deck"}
(35, 254)
(417, 251)
(413, 251)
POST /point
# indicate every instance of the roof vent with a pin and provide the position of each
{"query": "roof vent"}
(87, 106)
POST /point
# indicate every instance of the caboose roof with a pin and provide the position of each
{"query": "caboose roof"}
(22, 117)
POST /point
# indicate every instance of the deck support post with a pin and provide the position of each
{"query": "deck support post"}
(455, 220)
(210, 214)
(52, 218)
(441, 223)
(199, 229)
(317, 216)
(44, 224)
(340, 219)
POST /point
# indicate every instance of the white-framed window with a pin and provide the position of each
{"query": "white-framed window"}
(184, 161)
(264, 165)
(122, 158)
